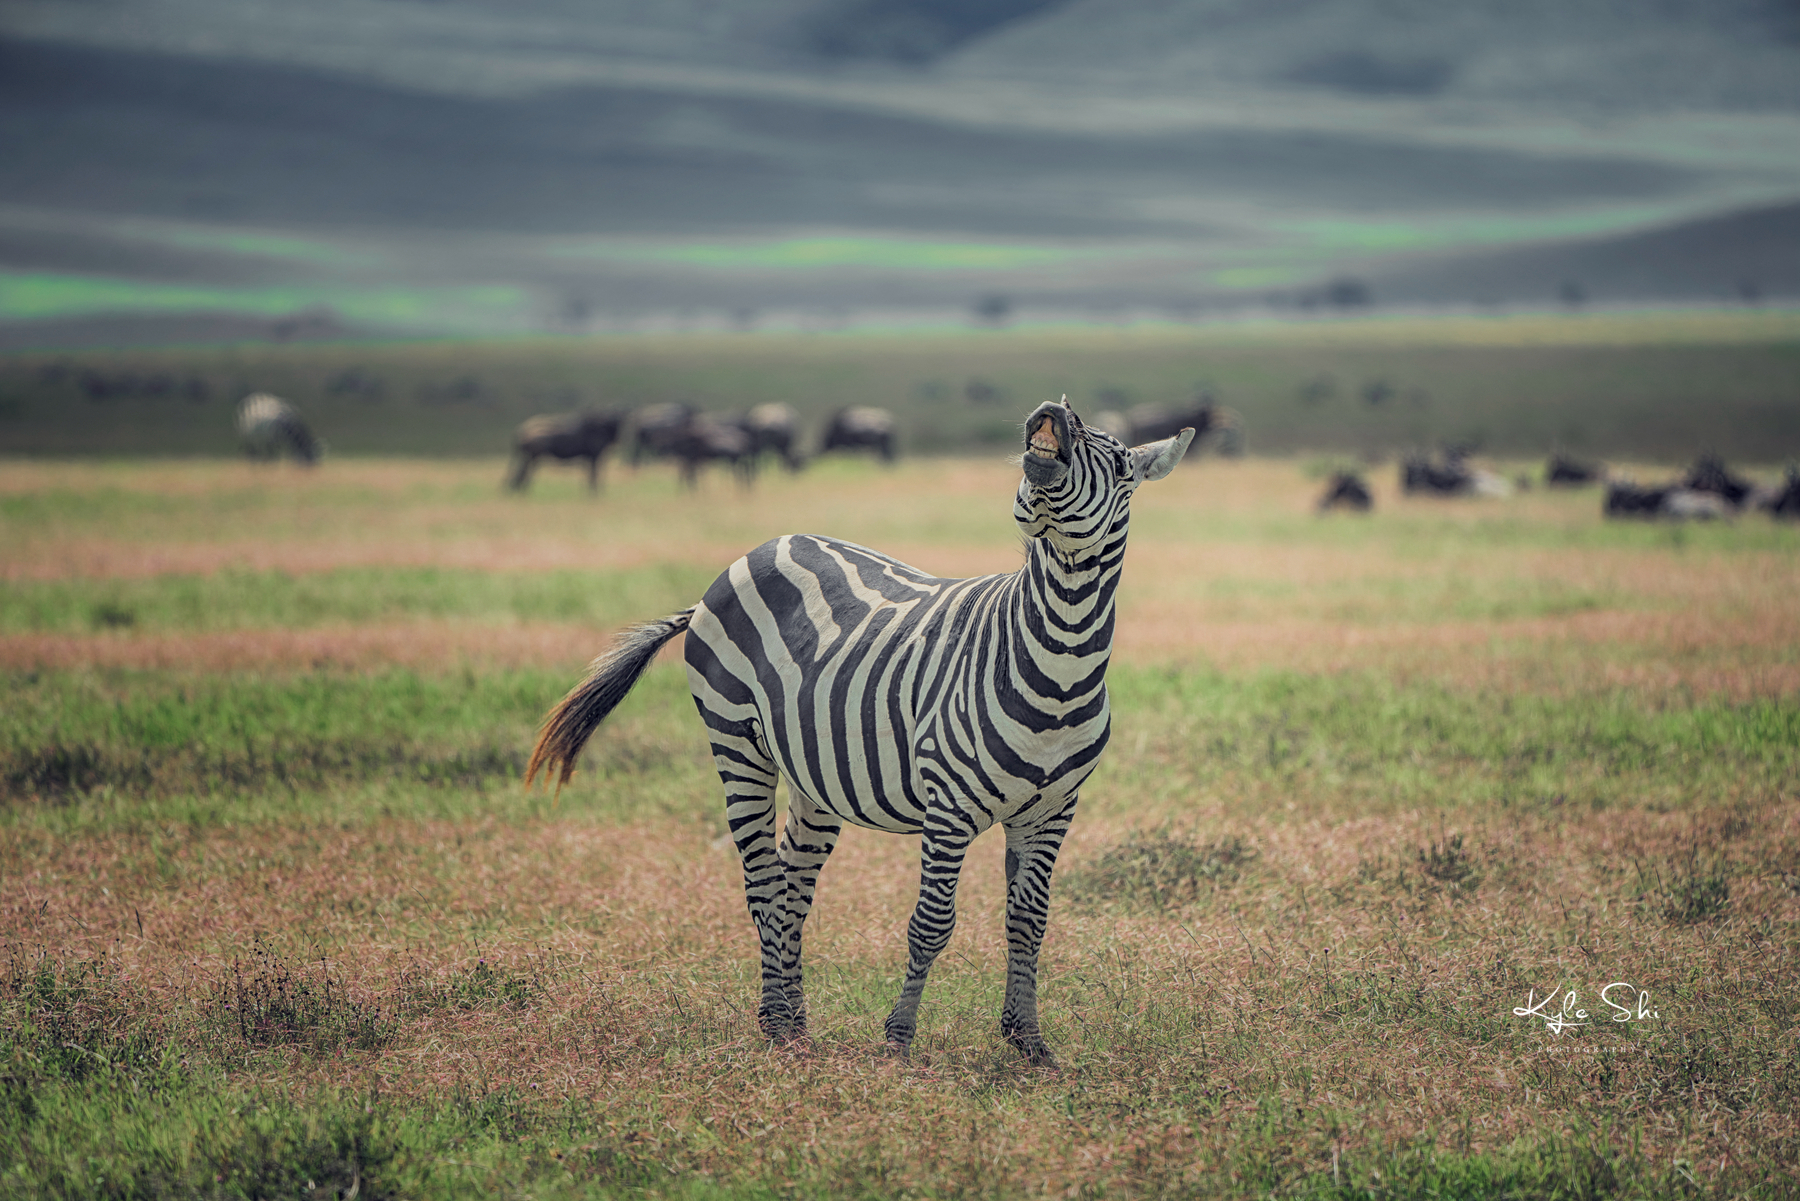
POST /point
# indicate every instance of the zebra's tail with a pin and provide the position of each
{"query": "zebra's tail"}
(568, 726)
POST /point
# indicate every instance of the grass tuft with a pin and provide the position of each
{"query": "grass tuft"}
(1157, 870)
(1690, 892)
(268, 1002)
(1448, 863)
(65, 1018)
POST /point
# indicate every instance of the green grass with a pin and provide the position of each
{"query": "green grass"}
(126, 746)
(241, 600)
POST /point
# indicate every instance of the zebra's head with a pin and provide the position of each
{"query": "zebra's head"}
(1078, 480)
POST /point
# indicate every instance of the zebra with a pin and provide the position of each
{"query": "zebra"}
(906, 703)
(268, 425)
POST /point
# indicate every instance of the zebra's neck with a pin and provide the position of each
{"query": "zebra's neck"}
(1064, 603)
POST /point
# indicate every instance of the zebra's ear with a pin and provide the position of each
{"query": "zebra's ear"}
(1153, 460)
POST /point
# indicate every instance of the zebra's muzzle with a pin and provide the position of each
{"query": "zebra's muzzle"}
(1046, 446)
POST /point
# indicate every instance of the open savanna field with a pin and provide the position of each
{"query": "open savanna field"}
(279, 918)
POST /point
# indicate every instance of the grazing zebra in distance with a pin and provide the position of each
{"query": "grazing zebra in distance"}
(268, 426)
(907, 703)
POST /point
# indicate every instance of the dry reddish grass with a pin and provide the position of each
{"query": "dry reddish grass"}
(1692, 652)
(1174, 1030)
(1227, 567)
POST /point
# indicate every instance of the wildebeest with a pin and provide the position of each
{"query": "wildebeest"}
(269, 427)
(1785, 500)
(1564, 472)
(693, 439)
(1111, 421)
(1625, 499)
(656, 430)
(1709, 474)
(1446, 474)
(1346, 490)
(861, 428)
(704, 440)
(563, 436)
(1207, 418)
(774, 427)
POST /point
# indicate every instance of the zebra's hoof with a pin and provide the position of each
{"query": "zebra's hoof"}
(1035, 1050)
(898, 1050)
(781, 1027)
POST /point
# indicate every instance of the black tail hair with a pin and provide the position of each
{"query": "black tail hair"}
(568, 726)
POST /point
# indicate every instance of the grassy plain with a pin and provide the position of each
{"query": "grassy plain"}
(1659, 386)
(279, 919)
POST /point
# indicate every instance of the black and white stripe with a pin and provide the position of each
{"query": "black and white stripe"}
(269, 426)
(904, 702)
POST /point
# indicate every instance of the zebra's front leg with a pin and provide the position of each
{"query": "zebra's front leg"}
(808, 840)
(943, 844)
(1030, 858)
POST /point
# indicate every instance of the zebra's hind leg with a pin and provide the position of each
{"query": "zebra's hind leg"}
(807, 841)
(749, 776)
(943, 844)
(1030, 858)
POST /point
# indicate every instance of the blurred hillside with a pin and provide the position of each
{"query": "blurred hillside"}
(469, 166)
(1617, 388)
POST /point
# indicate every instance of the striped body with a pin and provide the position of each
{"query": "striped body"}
(875, 687)
(904, 702)
(269, 426)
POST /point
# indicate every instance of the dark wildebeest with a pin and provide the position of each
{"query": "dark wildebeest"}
(1785, 500)
(774, 427)
(1563, 472)
(1346, 490)
(708, 440)
(562, 437)
(657, 430)
(1709, 474)
(1153, 422)
(269, 427)
(859, 428)
(1676, 501)
(1447, 474)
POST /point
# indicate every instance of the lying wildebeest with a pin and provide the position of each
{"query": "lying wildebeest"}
(1346, 490)
(774, 427)
(1625, 499)
(1449, 474)
(1709, 474)
(562, 437)
(1207, 418)
(861, 428)
(656, 430)
(268, 427)
(1563, 472)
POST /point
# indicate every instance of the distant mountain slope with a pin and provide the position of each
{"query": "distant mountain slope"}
(1748, 256)
(536, 162)
(1650, 56)
(146, 134)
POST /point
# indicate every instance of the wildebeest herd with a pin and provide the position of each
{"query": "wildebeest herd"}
(1708, 490)
(271, 428)
(692, 439)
